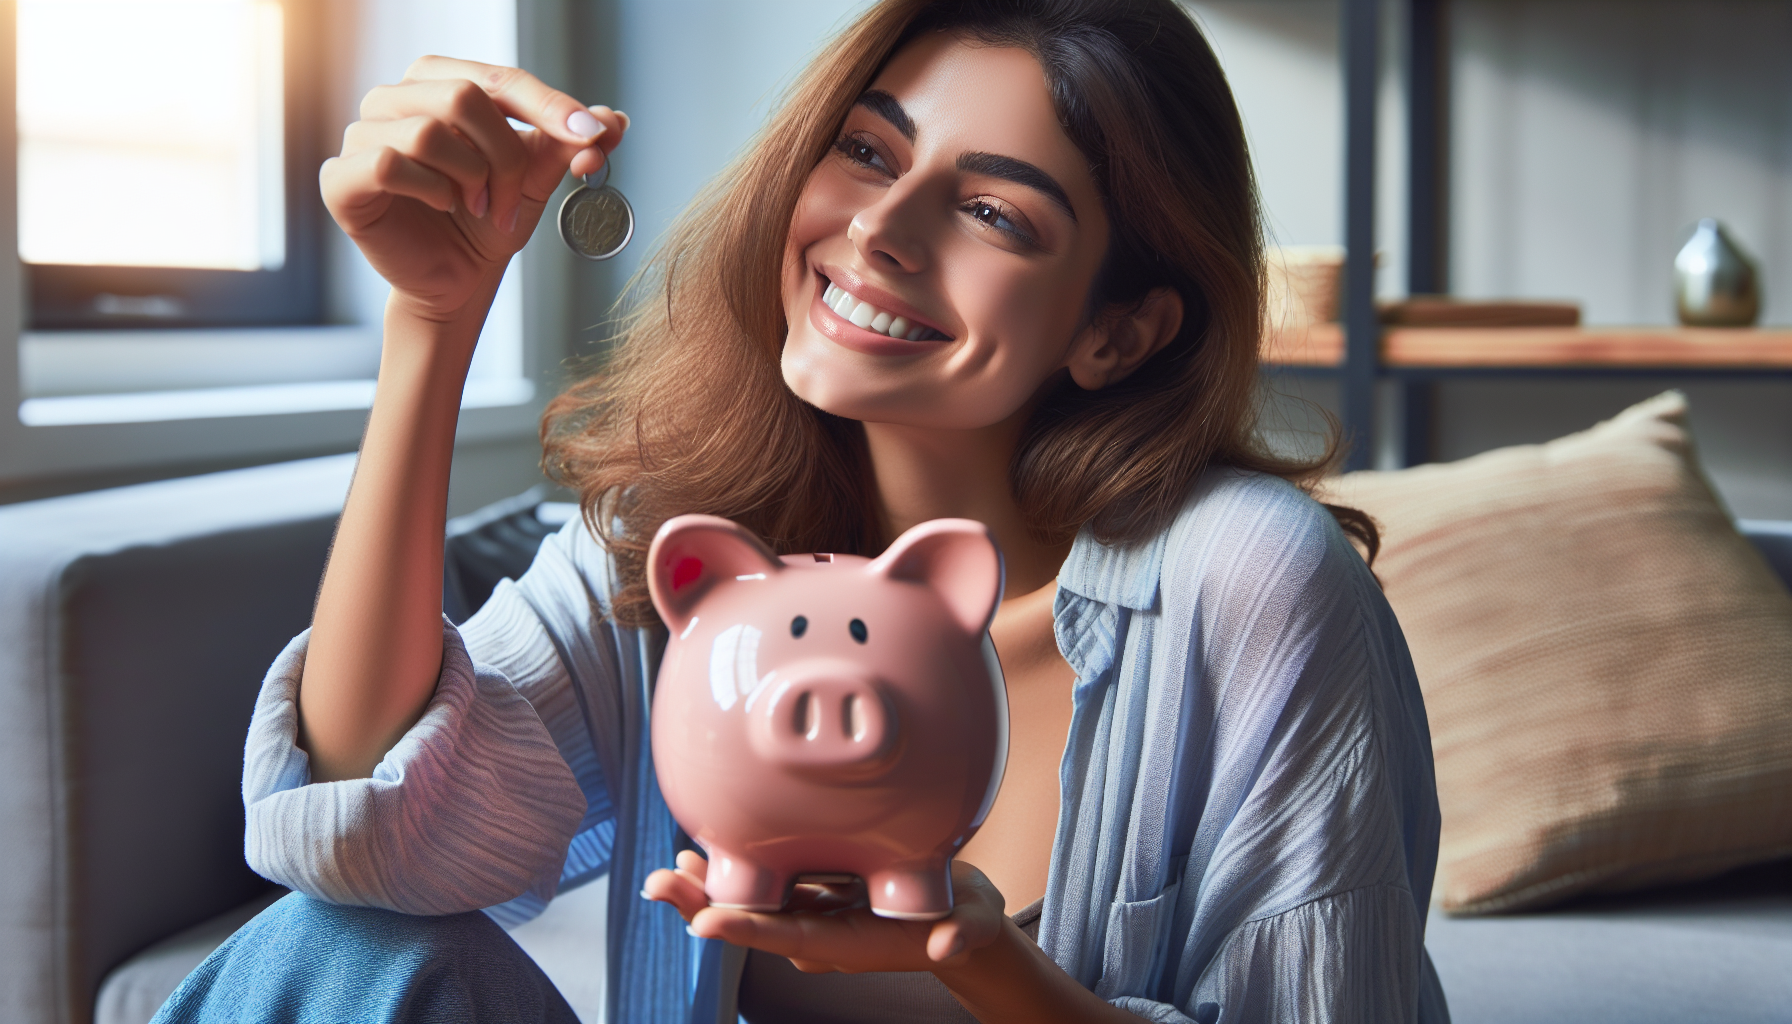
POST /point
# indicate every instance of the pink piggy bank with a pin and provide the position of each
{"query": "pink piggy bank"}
(829, 714)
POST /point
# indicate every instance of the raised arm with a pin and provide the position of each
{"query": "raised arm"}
(438, 191)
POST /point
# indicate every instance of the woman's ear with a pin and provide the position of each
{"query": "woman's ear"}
(1112, 347)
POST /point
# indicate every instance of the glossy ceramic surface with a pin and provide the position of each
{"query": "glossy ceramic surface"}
(829, 714)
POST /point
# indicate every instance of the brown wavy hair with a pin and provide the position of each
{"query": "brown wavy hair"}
(691, 413)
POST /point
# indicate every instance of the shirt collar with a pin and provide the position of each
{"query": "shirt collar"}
(1125, 576)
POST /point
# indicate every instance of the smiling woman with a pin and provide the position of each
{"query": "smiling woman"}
(1151, 149)
(995, 260)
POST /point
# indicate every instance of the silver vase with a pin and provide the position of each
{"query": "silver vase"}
(1715, 282)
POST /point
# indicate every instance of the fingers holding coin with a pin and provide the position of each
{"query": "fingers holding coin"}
(593, 158)
(447, 136)
(567, 128)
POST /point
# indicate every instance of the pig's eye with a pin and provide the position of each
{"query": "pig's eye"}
(857, 628)
(799, 626)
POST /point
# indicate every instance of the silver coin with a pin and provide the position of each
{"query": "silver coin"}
(596, 221)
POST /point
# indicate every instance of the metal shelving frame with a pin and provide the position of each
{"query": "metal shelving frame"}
(1427, 199)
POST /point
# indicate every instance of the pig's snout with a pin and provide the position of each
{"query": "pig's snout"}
(824, 721)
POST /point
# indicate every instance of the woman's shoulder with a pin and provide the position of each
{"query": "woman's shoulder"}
(1243, 521)
(1235, 525)
(1224, 493)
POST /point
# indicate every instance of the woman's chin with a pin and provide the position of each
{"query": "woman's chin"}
(830, 388)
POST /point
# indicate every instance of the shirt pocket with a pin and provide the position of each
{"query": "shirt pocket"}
(1136, 952)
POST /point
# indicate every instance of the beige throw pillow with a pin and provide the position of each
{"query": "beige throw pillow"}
(1607, 664)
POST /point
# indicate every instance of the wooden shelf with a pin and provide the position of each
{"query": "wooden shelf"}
(1304, 345)
(1693, 348)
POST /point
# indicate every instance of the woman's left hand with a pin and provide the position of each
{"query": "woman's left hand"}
(825, 930)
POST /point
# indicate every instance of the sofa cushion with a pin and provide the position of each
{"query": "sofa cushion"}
(1606, 663)
(135, 626)
(1715, 952)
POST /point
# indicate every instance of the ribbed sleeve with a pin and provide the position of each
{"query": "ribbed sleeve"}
(472, 807)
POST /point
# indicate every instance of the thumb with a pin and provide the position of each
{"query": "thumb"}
(550, 157)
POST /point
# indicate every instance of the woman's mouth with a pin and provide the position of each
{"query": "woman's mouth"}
(864, 315)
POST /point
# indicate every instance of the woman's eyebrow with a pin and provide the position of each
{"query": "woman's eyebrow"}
(1018, 171)
(885, 106)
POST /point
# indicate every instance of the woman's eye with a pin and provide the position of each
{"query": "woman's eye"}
(991, 215)
(861, 153)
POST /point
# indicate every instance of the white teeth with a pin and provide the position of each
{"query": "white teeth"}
(864, 314)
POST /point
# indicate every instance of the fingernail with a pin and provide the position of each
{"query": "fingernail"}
(509, 224)
(625, 121)
(582, 124)
(955, 948)
(476, 206)
(646, 895)
(692, 932)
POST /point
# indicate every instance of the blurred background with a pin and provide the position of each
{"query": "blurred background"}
(182, 303)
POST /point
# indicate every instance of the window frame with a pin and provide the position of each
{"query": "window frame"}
(64, 297)
(80, 453)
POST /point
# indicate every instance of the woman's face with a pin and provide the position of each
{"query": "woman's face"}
(954, 213)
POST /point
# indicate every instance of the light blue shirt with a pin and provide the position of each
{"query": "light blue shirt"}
(1248, 827)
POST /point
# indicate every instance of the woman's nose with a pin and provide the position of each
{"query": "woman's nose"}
(889, 233)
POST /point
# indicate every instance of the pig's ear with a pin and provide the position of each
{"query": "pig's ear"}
(958, 559)
(691, 554)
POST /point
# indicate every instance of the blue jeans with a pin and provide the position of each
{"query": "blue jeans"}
(304, 961)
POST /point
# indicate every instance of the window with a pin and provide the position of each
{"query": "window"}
(201, 356)
(166, 172)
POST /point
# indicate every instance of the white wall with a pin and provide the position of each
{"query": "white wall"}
(1591, 135)
(1282, 59)
(697, 78)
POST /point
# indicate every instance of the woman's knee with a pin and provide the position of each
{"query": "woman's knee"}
(303, 959)
(302, 923)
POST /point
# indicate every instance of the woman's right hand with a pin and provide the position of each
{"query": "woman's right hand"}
(439, 191)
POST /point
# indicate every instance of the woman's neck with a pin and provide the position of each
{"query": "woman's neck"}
(927, 474)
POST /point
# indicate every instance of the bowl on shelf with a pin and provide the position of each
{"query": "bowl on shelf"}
(1304, 282)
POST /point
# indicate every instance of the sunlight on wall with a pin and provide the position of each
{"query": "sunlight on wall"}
(391, 34)
(150, 133)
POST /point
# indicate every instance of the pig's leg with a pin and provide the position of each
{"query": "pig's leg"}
(912, 891)
(740, 884)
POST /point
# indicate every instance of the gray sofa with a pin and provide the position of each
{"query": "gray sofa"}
(135, 625)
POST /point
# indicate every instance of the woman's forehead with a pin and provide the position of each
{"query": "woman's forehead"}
(961, 95)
